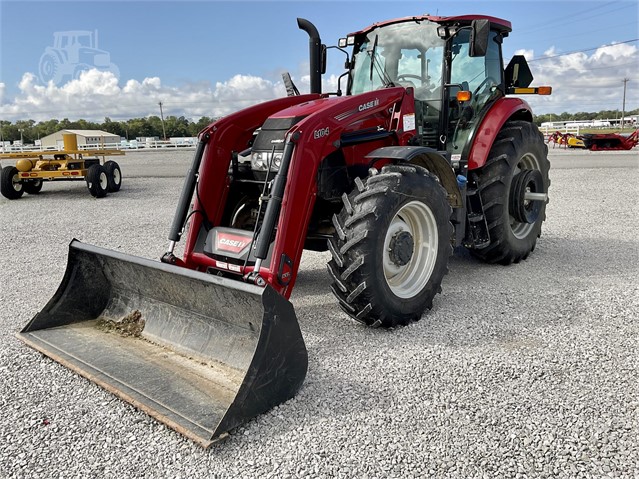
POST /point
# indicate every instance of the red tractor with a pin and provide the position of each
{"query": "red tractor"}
(426, 151)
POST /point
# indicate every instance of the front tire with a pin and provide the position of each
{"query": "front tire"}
(11, 186)
(517, 167)
(97, 181)
(391, 247)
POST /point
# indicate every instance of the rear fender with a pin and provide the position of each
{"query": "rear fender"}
(229, 134)
(504, 109)
(429, 159)
(315, 138)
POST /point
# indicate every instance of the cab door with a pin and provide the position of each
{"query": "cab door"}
(482, 76)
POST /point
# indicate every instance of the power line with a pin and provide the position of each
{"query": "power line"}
(582, 51)
(557, 67)
(572, 19)
(590, 31)
(561, 21)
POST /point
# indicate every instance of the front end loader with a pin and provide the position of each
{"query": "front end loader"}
(427, 150)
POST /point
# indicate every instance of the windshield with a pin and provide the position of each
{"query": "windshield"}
(408, 54)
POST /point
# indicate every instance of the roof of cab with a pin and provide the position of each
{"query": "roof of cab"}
(499, 23)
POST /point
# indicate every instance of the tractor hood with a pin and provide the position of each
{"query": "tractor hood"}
(271, 135)
(305, 109)
(273, 132)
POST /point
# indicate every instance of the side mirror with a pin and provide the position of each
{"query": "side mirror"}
(480, 30)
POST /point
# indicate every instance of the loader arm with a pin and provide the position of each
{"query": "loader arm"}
(314, 138)
(225, 136)
(301, 187)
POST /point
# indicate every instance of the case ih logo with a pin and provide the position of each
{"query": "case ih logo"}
(231, 243)
(370, 104)
(363, 107)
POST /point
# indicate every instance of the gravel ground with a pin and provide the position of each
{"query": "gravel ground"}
(529, 370)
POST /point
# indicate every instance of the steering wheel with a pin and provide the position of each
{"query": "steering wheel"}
(409, 75)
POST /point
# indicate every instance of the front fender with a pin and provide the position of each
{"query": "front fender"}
(503, 110)
(429, 159)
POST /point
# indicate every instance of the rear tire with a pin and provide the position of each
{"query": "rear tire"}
(391, 247)
(97, 181)
(33, 187)
(513, 224)
(10, 185)
(114, 176)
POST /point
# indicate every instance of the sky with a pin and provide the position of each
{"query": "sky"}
(210, 58)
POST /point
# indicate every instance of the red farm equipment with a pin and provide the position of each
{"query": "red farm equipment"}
(609, 141)
(426, 150)
(597, 141)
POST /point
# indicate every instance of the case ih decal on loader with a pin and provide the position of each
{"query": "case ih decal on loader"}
(426, 151)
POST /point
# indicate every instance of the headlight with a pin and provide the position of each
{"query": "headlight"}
(260, 160)
(256, 162)
(277, 161)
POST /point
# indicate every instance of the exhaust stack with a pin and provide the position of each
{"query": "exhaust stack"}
(315, 54)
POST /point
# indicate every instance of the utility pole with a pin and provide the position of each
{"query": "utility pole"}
(623, 106)
(162, 117)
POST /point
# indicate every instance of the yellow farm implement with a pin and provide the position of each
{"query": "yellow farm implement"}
(33, 168)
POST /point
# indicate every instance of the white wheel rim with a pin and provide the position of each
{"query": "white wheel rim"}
(16, 183)
(406, 281)
(104, 182)
(116, 176)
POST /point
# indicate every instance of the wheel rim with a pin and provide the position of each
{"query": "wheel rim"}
(116, 176)
(526, 196)
(16, 183)
(104, 181)
(406, 281)
(519, 229)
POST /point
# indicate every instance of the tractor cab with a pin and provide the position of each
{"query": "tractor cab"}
(453, 65)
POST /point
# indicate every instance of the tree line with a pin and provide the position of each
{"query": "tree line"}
(174, 126)
(180, 126)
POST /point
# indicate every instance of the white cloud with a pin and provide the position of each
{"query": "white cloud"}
(586, 82)
(528, 54)
(580, 81)
(615, 51)
(97, 94)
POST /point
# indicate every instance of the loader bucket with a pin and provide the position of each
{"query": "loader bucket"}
(200, 353)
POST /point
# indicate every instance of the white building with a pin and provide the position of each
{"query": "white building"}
(86, 138)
